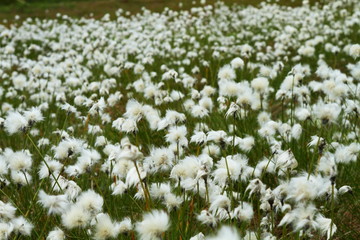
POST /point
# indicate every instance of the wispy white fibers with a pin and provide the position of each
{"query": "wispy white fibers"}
(153, 225)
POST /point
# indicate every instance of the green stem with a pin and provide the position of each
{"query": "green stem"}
(34, 197)
(332, 209)
(233, 141)
(147, 206)
(46, 164)
(63, 127)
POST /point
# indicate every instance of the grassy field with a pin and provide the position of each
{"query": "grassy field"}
(78, 8)
(245, 117)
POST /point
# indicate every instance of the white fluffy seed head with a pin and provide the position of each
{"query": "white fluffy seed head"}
(19, 160)
(124, 226)
(90, 201)
(7, 211)
(15, 122)
(33, 115)
(260, 84)
(153, 225)
(104, 227)
(56, 234)
(5, 230)
(354, 51)
(226, 232)
(237, 63)
(56, 204)
(22, 226)
(75, 217)
(226, 73)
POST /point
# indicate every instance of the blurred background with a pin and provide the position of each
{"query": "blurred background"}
(78, 8)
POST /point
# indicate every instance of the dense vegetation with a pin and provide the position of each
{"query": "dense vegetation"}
(216, 122)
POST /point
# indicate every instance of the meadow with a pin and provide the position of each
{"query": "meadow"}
(98, 8)
(206, 121)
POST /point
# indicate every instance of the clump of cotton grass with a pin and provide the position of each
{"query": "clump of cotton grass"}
(8, 210)
(237, 63)
(19, 160)
(15, 122)
(90, 201)
(56, 204)
(12, 224)
(354, 51)
(75, 217)
(153, 225)
(104, 227)
(226, 73)
(56, 234)
(68, 148)
(226, 232)
(80, 213)
(33, 116)
(22, 226)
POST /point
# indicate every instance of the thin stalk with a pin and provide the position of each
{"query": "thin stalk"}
(332, 208)
(33, 199)
(42, 158)
(147, 206)
(178, 151)
(44, 228)
(292, 102)
(134, 201)
(319, 156)
(230, 183)
(12, 202)
(282, 110)
(234, 132)
(207, 200)
(27, 181)
(267, 165)
(63, 127)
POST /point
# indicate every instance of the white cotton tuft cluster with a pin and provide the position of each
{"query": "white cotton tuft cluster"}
(204, 122)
